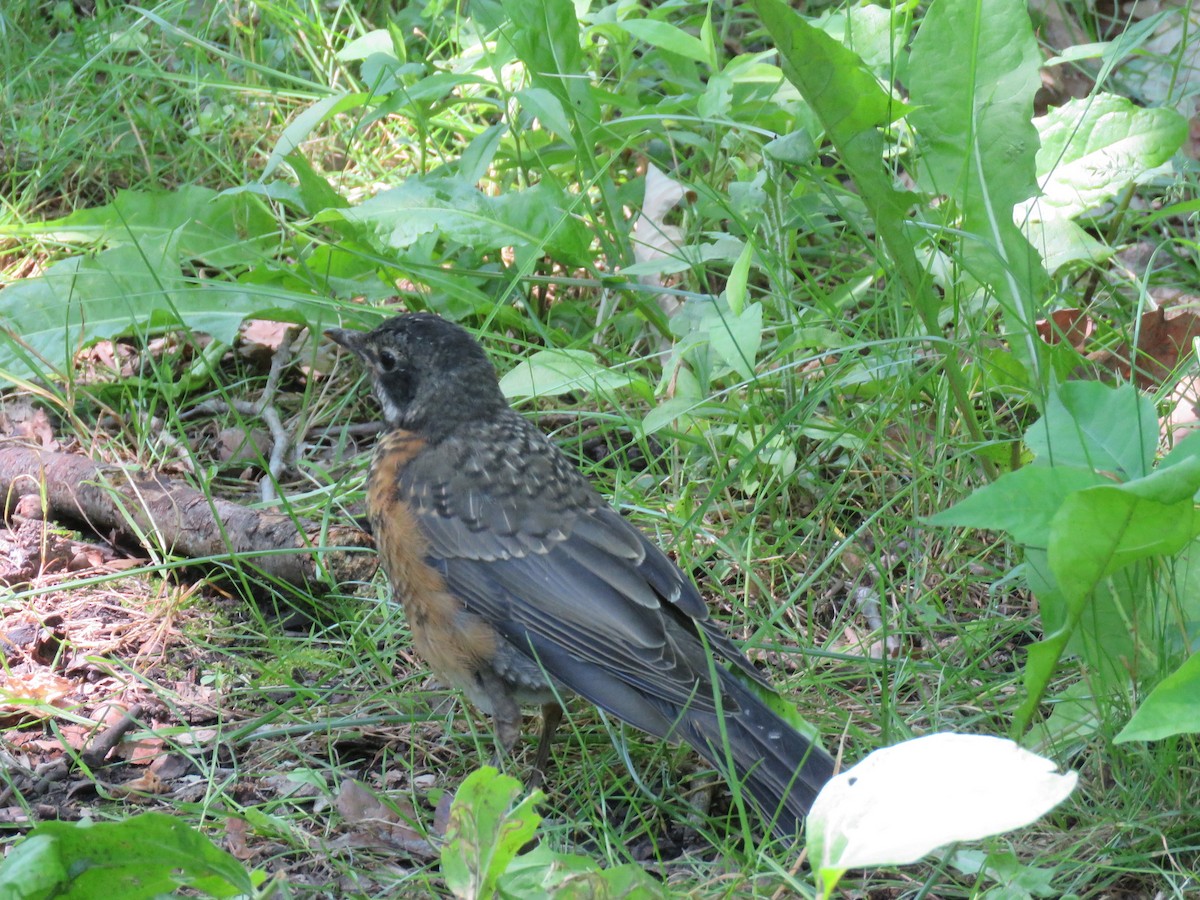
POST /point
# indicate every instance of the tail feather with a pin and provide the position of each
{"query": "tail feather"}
(781, 769)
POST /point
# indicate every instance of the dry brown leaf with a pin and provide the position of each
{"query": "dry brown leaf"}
(236, 445)
(141, 752)
(441, 815)
(265, 334)
(1164, 338)
(168, 766)
(1072, 326)
(146, 783)
(376, 824)
(235, 839)
(17, 689)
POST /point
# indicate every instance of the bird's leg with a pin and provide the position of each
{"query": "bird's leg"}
(551, 716)
(506, 719)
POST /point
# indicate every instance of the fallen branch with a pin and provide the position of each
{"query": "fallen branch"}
(167, 515)
(93, 757)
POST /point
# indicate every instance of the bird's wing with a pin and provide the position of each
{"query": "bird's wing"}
(528, 544)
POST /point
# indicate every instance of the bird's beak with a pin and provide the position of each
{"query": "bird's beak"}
(354, 341)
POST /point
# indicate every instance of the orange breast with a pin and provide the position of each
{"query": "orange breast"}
(455, 643)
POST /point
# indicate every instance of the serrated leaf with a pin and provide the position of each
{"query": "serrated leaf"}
(974, 71)
(545, 36)
(455, 209)
(853, 109)
(225, 229)
(128, 290)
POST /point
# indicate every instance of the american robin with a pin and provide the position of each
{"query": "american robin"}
(521, 583)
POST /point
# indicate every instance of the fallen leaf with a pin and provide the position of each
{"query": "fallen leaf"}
(146, 783)
(377, 824)
(141, 752)
(18, 690)
(651, 237)
(1072, 326)
(903, 802)
(235, 838)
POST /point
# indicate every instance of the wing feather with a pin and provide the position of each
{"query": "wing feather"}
(529, 545)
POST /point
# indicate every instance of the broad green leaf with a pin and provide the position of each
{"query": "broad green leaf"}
(302, 126)
(671, 38)
(903, 802)
(545, 36)
(735, 287)
(316, 193)
(546, 873)
(145, 856)
(545, 214)
(795, 148)
(33, 870)
(427, 205)
(736, 338)
(1098, 532)
(1102, 529)
(876, 33)
(551, 373)
(544, 106)
(220, 229)
(853, 109)
(486, 832)
(1022, 503)
(1094, 426)
(1173, 707)
(1186, 449)
(1170, 485)
(679, 407)
(1059, 241)
(477, 159)
(537, 218)
(128, 290)
(1092, 148)
(377, 41)
(973, 73)
(1015, 880)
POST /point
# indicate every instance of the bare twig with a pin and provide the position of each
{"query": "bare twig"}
(264, 408)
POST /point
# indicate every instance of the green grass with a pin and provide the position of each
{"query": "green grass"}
(792, 481)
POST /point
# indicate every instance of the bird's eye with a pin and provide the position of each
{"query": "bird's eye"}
(387, 360)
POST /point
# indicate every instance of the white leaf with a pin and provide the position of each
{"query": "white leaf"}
(903, 802)
(652, 238)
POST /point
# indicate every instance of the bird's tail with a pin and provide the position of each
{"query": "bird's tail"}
(781, 769)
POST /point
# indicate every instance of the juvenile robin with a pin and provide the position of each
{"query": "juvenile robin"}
(521, 584)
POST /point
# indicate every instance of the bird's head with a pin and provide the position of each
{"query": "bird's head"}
(426, 372)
